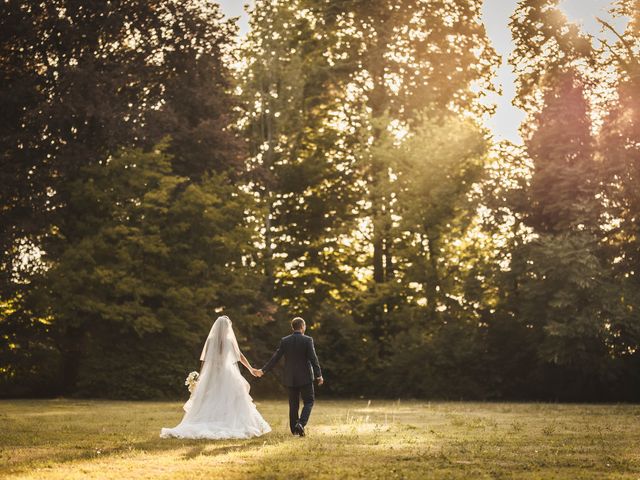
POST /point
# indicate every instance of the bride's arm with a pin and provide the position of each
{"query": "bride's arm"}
(245, 362)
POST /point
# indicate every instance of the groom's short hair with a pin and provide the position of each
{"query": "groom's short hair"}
(297, 323)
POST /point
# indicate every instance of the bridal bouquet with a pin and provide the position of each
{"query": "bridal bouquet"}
(191, 381)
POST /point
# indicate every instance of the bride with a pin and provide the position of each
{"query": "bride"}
(220, 405)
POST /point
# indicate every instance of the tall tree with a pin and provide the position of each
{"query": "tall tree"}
(567, 279)
(619, 147)
(410, 59)
(301, 166)
(91, 79)
(326, 85)
(159, 256)
(564, 291)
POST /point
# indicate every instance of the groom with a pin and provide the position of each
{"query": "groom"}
(299, 360)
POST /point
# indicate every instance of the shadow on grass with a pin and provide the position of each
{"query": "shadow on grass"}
(51, 456)
(344, 440)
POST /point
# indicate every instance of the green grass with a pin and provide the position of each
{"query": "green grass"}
(71, 439)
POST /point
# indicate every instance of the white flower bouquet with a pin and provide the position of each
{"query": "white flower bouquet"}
(191, 381)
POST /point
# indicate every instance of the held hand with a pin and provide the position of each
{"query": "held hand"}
(259, 373)
(320, 380)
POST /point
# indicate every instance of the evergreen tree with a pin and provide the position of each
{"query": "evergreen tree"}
(619, 147)
(81, 81)
(564, 291)
(565, 288)
(134, 295)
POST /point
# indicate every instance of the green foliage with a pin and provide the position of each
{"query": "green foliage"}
(29, 360)
(157, 254)
(619, 143)
(563, 288)
(342, 175)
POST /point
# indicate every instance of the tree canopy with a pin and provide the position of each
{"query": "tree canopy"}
(334, 163)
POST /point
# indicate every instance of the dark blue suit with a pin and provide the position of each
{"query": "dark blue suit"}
(301, 366)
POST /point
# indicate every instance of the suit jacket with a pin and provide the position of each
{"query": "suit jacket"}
(300, 360)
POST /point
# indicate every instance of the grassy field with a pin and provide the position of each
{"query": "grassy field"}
(70, 439)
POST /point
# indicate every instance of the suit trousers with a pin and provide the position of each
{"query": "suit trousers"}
(308, 396)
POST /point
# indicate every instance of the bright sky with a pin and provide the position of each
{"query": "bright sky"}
(506, 121)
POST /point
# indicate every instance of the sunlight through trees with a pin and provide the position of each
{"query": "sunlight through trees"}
(335, 164)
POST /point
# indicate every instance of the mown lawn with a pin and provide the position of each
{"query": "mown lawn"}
(70, 439)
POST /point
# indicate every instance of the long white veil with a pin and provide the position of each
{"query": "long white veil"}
(219, 354)
(221, 346)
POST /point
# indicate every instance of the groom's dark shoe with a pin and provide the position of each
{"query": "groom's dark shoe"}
(299, 430)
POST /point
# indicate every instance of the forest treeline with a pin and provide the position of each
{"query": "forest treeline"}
(157, 169)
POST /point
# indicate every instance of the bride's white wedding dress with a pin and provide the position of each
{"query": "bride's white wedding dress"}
(220, 405)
